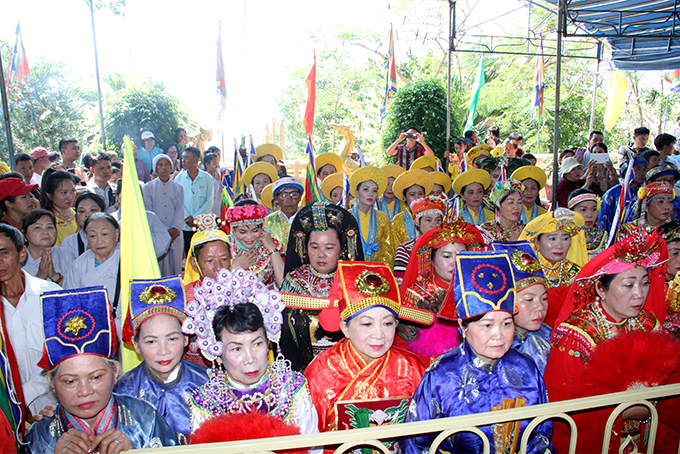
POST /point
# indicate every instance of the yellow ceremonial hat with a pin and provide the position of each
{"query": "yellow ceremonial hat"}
(410, 178)
(425, 161)
(368, 173)
(535, 173)
(329, 183)
(392, 170)
(328, 158)
(266, 196)
(442, 180)
(269, 148)
(475, 152)
(471, 176)
(257, 168)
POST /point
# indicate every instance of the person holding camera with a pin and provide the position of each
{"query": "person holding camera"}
(414, 147)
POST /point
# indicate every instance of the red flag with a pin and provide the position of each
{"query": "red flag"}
(308, 120)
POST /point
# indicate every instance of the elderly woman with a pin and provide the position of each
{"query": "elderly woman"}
(79, 347)
(86, 204)
(16, 201)
(532, 336)
(533, 179)
(365, 305)
(235, 317)
(471, 186)
(100, 264)
(655, 203)
(154, 328)
(367, 184)
(428, 277)
(615, 305)
(428, 213)
(507, 197)
(475, 377)
(409, 187)
(43, 260)
(57, 195)
(559, 243)
(246, 220)
(584, 202)
(322, 235)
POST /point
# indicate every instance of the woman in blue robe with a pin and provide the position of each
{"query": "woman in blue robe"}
(484, 373)
(80, 342)
(154, 328)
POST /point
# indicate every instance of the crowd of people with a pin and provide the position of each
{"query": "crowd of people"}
(413, 291)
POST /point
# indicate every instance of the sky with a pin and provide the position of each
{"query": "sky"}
(172, 41)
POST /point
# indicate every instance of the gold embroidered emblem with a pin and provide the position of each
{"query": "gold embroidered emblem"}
(74, 325)
(157, 294)
(370, 283)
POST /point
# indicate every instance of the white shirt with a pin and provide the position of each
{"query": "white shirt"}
(62, 259)
(36, 179)
(103, 194)
(71, 242)
(25, 331)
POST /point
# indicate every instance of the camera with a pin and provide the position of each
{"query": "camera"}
(411, 136)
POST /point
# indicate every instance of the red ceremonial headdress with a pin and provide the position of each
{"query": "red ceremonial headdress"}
(428, 204)
(246, 214)
(637, 248)
(359, 286)
(420, 268)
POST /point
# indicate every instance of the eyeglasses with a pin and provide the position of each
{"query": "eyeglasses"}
(289, 195)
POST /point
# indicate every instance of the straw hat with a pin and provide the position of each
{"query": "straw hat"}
(269, 148)
(329, 183)
(442, 180)
(425, 161)
(266, 196)
(392, 170)
(535, 173)
(328, 158)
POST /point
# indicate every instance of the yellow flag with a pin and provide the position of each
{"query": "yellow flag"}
(137, 255)
(616, 99)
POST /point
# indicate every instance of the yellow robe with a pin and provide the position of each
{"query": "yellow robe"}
(385, 253)
(400, 233)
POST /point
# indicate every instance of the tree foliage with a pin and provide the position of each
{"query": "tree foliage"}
(423, 105)
(49, 105)
(136, 109)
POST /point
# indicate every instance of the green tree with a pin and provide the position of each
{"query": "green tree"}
(423, 105)
(47, 106)
(150, 107)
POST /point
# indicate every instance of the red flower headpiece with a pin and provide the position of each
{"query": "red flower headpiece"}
(246, 214)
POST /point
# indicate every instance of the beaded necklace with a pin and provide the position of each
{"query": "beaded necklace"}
(610, 329)
(469, 217)
(410, 225)
(368, 239)
(384, 207)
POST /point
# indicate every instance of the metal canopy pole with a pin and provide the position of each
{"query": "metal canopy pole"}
(561, 28)
(5, 112)
(452, 24)
(597, 75)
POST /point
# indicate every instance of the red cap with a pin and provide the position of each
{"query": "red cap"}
(15, 186)
(38, 153)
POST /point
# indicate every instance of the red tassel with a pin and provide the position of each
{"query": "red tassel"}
(637, 359)
(246, 426)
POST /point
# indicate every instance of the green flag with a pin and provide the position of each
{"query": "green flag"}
(474, 97)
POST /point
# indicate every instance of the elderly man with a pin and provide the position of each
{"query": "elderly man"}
(20, 294)
(287, 193)
(149, 150)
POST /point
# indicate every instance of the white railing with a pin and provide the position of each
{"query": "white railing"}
(346, 440)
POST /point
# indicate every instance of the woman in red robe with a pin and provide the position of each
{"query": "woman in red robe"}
(609, 338)
(364, 371)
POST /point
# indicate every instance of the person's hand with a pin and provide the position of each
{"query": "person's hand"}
(244, 259)
(45, 266)
(420, 138)
(638, 412)
(589, 175)
(174, 233)
(402, 137)
(189, 221)
(48, 412)
(111, 442)
(267, 241)
(74, 441)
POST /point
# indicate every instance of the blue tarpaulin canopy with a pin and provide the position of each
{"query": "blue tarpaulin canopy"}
(644, 35)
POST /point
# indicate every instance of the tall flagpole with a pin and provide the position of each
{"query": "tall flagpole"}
(99, 86)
